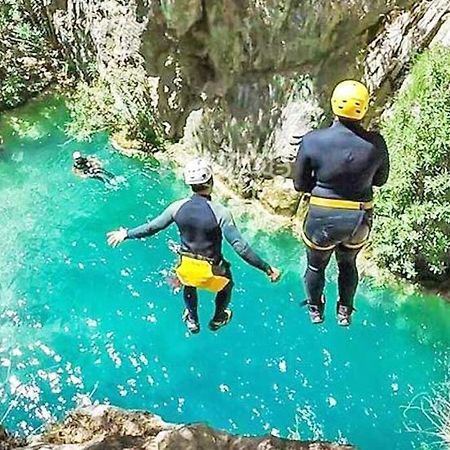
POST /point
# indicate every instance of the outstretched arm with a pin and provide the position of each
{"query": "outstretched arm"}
(148, 229)
(154, 226)
(242, 247)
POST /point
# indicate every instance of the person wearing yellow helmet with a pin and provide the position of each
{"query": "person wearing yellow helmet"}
(337, 167)
(202, 224)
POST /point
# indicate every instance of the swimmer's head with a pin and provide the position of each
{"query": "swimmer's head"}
(76, 155)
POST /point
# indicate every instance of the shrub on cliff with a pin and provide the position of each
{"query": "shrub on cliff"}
(412, 231)
(27, 59)
(118, 100)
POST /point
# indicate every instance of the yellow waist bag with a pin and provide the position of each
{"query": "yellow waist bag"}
(199, 273)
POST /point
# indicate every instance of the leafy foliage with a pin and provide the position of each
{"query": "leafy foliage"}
(118, 100)
(412, 233)
(27, 56)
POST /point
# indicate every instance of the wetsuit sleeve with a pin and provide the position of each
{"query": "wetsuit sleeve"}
(239, 244)
(382, 174)
(304, 180)
(156, 225)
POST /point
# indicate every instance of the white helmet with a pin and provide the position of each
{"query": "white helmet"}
(197, 171)
(76, 155)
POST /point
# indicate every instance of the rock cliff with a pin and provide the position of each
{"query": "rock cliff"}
(107, 428)
(260, 71)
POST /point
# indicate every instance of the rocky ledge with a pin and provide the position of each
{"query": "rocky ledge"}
(107, 428)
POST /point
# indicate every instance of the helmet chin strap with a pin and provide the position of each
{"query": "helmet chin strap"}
(347, 120)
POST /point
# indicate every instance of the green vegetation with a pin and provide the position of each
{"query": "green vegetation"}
(27, 56)
(412, 232)
(120, 100)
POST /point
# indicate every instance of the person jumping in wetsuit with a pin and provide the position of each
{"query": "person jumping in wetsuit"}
(90, 167)
(338, 167)
(202, 224)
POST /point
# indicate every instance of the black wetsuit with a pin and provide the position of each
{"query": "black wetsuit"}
(341, 162)
(202, 225)
(88, 168)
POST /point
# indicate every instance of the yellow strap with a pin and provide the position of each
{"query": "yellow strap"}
(356, 246)
(340, 204)
(311, 244)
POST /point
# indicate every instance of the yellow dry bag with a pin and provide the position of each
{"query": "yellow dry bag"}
(199, 273)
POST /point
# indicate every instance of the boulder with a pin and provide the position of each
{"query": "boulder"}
(106, 428)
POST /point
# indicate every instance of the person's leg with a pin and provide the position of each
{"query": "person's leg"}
(222, 315)
(107, 173)
(191, 301)
(223, 299)
(315, 281)
(99, 178)
(315, 274)
(191, 315)
(346, 254)
(348, 282)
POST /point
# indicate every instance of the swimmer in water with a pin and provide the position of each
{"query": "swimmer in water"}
(90, 167)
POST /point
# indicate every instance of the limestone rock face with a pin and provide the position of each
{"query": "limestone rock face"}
(107, 428)
(442, 37)
(404, 33)
(257, 71)
(279, 196)
(260, 71)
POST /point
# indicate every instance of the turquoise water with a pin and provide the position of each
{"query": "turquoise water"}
(81, 322)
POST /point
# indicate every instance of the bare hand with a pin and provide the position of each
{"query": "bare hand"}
(115, 238)
(274, 275)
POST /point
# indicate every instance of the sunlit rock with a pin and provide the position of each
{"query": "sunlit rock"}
(105, 428)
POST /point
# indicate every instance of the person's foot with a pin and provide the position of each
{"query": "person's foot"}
(192, 325)
(316, 312)
(344, 314)
(221, 320)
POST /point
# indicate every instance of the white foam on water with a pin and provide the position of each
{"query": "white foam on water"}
(5, 362)
(16, 352)
(114, 355)
(332, 402)
(327, 358)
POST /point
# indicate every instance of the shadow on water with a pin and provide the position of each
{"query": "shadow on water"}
(81, 322)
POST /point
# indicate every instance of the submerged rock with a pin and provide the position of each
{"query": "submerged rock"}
(108, 428)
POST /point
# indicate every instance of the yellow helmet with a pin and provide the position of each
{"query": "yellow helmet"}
(350, 99)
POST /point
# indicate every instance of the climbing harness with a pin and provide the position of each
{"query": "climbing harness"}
(340, 204)
(334, 204)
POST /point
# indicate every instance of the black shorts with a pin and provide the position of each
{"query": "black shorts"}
(223, 269)
(326, 228)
